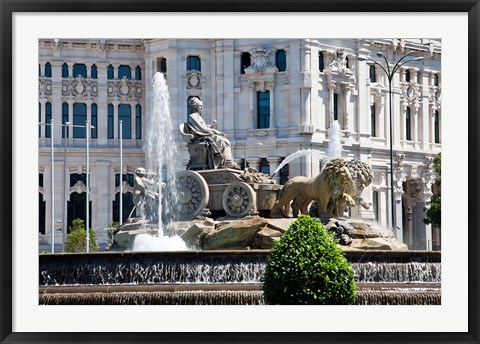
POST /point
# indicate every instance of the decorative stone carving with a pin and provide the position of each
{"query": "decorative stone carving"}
(411, 93)
(79, 87)
(427, 179)
(125, 188)
(435, 97)
(124, 89)
(44, 87)
(399, 174)
(261, 61)
(339, 64)
(194, 80)
(79, 187)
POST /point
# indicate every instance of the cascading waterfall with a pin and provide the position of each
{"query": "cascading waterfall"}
(161, 159)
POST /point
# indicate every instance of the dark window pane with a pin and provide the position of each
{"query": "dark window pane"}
(245, 62)
(39, 120)
(110, 72)
(407, 75)
(435, 80)
(373, 120)
(321, 62)
(93, 133)
(48, 117)
(162, 65)
(408, 125)
(110, 121)
(129, 178)
(373, 75)
(39, 70)
(64, 120)
(281, 60)
(125, 115)
(264, 166)
(40, 180)
(79, 118)
(48, 70)
(193, 63)
(124, 71)
(75, 177)
(437, 126)
(41, 214)
(138, 73)
(79, 69)
(335, 107)
(127, 205)
(263, 109)
(93, 72)
(64, 70)
(138, 122)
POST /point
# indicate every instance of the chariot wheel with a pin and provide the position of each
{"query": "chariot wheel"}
(192, 195)
(238, 199)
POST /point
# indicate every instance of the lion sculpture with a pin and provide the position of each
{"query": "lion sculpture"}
(339, 185)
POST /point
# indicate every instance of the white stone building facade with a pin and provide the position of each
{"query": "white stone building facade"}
(271, 97)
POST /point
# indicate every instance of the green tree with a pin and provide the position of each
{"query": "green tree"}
(77, 239)
(433, 214)
(307, 267)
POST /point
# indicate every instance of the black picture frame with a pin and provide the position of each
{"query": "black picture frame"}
(9, 7)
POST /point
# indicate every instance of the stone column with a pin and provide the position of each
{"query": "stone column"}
(102, 99)
(89, 70)
(102, 216)
(115, 118)
(254, 162)
(250, 105)
(331, 91)
(348, 88)
(43, 102)
(274, 162)
(272, 105)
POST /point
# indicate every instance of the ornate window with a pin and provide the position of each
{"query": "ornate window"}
(245, 62)
(408, 124)
(124, 71)
(110, 72)
(125, 115)
(64, 70)
(138, 73)
(79, 118)
(48, 70)
(110, 121)
(194, 63)
(281, 60)
(93, 71)
(138, 122)
(48, 117)
(64, 120)
(263, 109)
(79, 69)
(321, 61)
(373, 74)
(93, 133)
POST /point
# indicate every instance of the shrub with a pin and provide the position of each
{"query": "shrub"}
(307, 267)
(77, 239)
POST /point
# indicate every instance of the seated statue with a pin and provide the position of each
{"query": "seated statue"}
(217, 152)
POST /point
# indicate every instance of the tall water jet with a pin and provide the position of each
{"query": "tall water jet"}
(335, 145)
(161, 163)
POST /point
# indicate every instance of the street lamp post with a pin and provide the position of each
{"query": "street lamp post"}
(52, 208)
(87, 126)
(390, 73)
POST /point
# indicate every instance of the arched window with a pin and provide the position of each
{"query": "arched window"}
(64, 70)
(79, 69)
(77, 202)
(281, 60)
(110, 121)
(321, 62)
(125, 115)
(437, 126)
(194, 63)
(93, 71)
(138, 122)
(407, 75)
(64, 120)
(110, 72)
(263, 109)
(48, 117)
(93, 133)
(245, 62)
(79, 118)
(48, 70)
(162, 65)
(373, 74)
(138, 73)
(124, 72)
(408, 125)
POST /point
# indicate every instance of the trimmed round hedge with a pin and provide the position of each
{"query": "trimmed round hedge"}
(307, 267)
